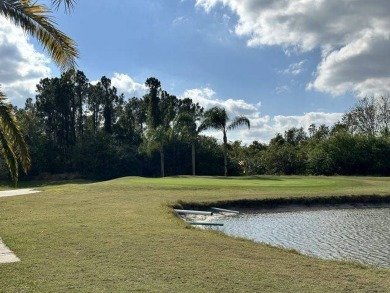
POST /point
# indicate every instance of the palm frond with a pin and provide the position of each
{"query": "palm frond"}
(9, 156)
(185, 124)
(238, 121)
(153, 139)
(13, 143)
(35, 20)
(216, 118)
(69, 4)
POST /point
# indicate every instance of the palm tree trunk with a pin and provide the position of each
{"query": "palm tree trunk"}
(193, 158)
(225, 151)
(225, 160)
(162, 161)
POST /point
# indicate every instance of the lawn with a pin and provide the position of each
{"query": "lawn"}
(121, 236)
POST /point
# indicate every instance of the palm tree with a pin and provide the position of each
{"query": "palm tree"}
(35, 20)
(186, 125)
(217, 118)
(156, 139)
(12, 145)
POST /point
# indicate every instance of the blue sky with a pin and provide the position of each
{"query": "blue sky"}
(282, 63)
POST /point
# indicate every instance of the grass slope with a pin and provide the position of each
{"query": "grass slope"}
(121, 236)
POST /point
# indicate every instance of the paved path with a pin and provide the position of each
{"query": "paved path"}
(17, 192)
(6, 255)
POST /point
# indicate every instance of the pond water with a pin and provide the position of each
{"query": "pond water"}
(360, 234)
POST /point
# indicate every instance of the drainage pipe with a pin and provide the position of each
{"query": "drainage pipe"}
(224, 210)
(188, 212)
(205, 223)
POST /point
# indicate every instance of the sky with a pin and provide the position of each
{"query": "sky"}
(282, 63)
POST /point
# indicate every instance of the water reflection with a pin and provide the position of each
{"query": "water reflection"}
(355, 234)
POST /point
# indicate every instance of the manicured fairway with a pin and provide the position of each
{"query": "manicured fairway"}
(121, 236)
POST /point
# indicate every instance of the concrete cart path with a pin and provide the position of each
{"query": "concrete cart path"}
(6, 255)
(14, 192)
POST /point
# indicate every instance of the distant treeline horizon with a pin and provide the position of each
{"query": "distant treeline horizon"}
(92, 131)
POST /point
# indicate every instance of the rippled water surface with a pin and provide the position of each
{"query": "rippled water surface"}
(356, 234)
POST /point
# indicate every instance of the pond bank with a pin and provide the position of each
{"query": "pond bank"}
(293, 204)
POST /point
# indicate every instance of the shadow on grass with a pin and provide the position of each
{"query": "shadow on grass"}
(260, 178)
(254, 177)
(43, 183)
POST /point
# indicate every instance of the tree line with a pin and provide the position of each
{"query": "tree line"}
(359, 144)
(90, 130)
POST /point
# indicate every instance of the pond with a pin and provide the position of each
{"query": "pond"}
(358, 234)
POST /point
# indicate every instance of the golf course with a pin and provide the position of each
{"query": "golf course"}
(123, 236)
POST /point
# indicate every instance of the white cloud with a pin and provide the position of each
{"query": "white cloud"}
(283, 123)
(282, 89)
(206, 4)
(207, 98)
(294, 68)
(125, 84)
(362, 66)
(179, 20)
(21, 66)
(354, 37)
(263, 128)
(266, 127)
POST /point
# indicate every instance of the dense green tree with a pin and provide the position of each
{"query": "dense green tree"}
(217, 118)
(283, 159)
(187, 124)
(54, 105)
(240, 160)
(295, 136)
(161, 113)
(210, 155)
(108, 98)
(319, 160)
(94, 105)
(35, 136)
(320, 133)
(156, 139)
(81, 92)
(152, 101)
(128, 128)
(138, 107)
(248, 159)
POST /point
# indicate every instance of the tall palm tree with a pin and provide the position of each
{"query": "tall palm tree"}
(157, 139)
(35, 19)
(217, 118)
(186, 125)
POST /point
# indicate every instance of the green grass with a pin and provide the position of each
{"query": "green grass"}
(121, 236)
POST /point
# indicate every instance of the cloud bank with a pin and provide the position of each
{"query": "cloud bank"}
(263, 127)
(21, 66)
(353, 36)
